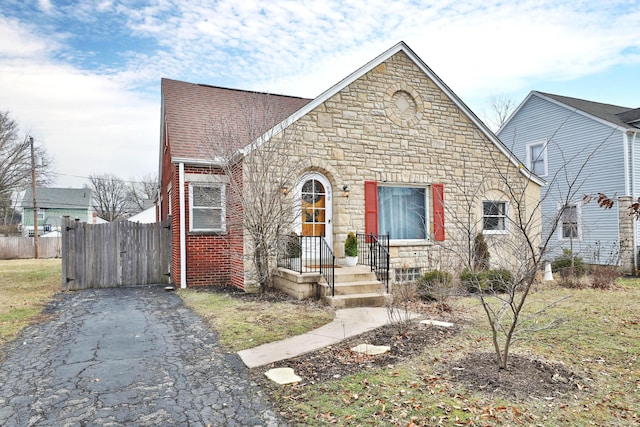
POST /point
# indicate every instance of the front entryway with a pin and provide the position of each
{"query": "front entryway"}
(315, 213)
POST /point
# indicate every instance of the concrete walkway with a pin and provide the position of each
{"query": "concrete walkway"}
(347, 323)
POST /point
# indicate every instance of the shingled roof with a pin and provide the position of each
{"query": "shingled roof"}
(58, 198)
(192, 110)
(617, 115)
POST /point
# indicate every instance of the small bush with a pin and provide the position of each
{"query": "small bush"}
(480, 252)
(430, 285)
(351, 245)
(604, 276)
(498, 280)
(562, 265)
(293, 247)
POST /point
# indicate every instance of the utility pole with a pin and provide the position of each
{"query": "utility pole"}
(35, 200)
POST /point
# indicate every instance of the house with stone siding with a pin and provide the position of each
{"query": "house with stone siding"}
(389, 152)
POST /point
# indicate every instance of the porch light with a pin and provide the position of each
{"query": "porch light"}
(345, 191)
(284, 190)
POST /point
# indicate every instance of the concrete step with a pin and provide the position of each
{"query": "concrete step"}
(374, 299)
(359, 287)
(353, 274)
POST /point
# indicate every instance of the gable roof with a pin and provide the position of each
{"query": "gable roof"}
(185, 123)
(402, 47)
(612, 115)
(58, 198)
(190, 110)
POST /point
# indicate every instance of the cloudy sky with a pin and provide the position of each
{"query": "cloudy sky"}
(83, 77)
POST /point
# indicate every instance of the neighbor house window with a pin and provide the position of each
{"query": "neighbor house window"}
(537, 158)
(570, 224)
(207, 207)
(40, 214)
(494, 217)
(402, 212)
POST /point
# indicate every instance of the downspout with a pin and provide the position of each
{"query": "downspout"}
(634, 196)
(183, 227)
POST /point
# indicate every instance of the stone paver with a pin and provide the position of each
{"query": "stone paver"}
(125, 356)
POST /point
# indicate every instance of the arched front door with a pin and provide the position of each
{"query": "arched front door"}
(315, 211)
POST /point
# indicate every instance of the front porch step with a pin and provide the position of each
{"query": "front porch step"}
(372, 299)
(355, 287)
(358, 287)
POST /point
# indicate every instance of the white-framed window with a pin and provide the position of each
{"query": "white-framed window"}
(494, 217)
(569, 227)
(537, 158)
(40, 214)
(402, 212)
(207, 210)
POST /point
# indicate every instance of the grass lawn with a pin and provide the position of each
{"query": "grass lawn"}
(596, 337)
(25, 288)
(244, 323)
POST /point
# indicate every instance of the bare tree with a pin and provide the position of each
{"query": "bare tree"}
(15, 159)
(500, 108)
(259, 174)
(142, 190)
(110, 196)
(517, 257)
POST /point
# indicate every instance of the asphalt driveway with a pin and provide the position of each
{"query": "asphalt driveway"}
(125, 356)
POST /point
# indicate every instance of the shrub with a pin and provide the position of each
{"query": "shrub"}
(294, 249)
(430, 285)
(480, 252)
(351, 245)
(604, 276)
(498, 280)
(470, 281)
(562, 265)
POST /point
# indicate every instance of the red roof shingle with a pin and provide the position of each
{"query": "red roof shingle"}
(196, 114)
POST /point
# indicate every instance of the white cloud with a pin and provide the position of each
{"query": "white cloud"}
(479, 48)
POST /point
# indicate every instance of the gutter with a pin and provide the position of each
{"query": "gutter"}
(183, 227)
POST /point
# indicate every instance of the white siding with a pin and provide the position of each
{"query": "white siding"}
(584, 154)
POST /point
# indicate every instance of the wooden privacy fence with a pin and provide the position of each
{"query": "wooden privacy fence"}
(23, 247)
(121, 253)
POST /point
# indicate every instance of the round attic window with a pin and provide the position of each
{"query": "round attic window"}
(402, 106)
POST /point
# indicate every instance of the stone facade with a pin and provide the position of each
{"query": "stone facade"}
(395, 126)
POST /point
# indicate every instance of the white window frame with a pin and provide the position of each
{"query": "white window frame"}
(543, 156)
(222, 208)
(427, 200)
(578, 237)
(505, 230)
(41, 214)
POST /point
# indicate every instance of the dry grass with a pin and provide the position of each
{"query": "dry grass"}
(597, 337)
(246, 321)
(25, 288)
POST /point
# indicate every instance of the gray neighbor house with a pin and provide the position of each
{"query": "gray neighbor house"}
(582, 148)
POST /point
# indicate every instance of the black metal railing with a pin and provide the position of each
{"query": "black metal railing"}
(307, 254)
(373, 250)
(327, 264)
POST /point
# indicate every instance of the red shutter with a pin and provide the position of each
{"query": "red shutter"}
(438, 212)
(371, 207)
